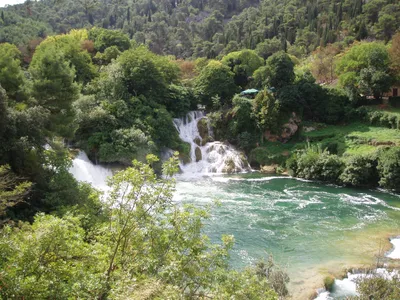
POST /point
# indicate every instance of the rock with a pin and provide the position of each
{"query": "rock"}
(198, 141)
(198, 154)
(269, 169)
(202, 126)
(184, 158)
(374, 142)
(289, 129)
(309, 128)
(230, 167)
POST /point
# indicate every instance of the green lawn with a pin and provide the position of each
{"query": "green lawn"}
(354, 138)
(347, 140)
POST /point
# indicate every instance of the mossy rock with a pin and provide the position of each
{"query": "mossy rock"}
(185, 158)
(198, 141)
(230, 167)
(202, 126)
(184, 152)
(198, 154)
(329, 281)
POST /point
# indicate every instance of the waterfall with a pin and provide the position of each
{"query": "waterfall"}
(207, 156)
(84, 170)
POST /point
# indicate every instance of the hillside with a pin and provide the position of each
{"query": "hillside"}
(202, 28)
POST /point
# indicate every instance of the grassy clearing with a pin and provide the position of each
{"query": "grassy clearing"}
(345, 140)
(354, 138)
(388, 109)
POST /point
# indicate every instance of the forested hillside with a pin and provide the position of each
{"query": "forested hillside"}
(202, 28)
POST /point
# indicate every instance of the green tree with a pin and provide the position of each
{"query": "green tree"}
(266, 110)
(54, 88)
(12, 78)
(243, 64)
(50, 259)
(364, 68)
(71, 47)
(105, 38)
(215, 79)
(268, 47)
(142, 75)
(280, 70)
(13, 189)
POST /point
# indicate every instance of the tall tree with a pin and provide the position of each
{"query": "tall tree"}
(54, 88)
(11, 75)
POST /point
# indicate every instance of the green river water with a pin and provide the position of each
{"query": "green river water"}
(311, 229)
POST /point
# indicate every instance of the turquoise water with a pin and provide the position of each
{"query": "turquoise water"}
(311, 229)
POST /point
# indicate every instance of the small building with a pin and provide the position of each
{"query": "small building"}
(251, 93)
(393, 92)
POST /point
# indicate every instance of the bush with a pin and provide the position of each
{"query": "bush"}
(394, 101)
(246, 141)
(316, 164)
(389, 168)
(361, 171)
(329, 282)
(377, 287)
(377, 117)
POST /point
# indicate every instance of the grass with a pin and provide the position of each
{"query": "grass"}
(354, 138)
(347, 140)
(388, 109)
(273, 152)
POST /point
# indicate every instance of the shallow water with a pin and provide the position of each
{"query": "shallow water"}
(311, 229)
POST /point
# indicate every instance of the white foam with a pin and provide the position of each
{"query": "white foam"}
(395, 253)
(85, 171)
(216, 157)
(323, 295)
(347, 287)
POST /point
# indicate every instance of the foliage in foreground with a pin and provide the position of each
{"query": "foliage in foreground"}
(378, 287)
(146, 247)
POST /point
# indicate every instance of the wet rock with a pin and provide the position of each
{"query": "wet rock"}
(269, 169)
(230, 167)
(198, 141)
(198, 154)
(185, 158)
(202, 126)
(288, 130)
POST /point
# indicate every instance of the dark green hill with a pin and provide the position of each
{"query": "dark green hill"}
(203, 28)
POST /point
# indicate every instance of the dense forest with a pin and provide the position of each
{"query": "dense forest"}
(201, 28)
(109, 76)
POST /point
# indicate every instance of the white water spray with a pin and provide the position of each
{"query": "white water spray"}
(207, 157)
(84, 170)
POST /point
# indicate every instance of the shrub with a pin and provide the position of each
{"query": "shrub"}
(377, 287)
(316, 164)
(376, 117)
(360, 171)
(328, 282)
(389, 168)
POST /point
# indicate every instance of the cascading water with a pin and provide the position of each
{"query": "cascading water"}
(84, 170)
(207, 156)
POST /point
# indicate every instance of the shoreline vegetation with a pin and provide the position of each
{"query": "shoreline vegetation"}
(310, 88)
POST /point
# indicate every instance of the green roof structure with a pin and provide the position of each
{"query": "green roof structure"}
(249, 92)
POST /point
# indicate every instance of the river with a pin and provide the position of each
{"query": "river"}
(311, 229)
